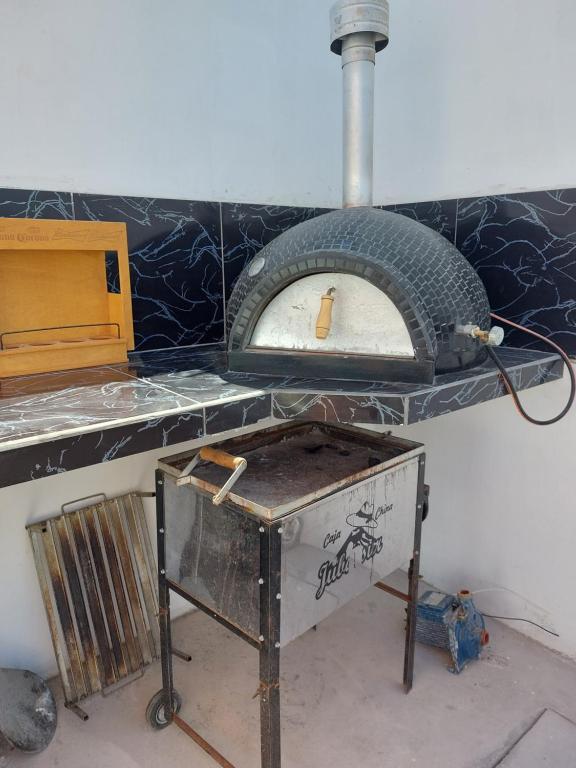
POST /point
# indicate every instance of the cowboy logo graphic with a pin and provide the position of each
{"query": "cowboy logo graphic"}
(363, 523)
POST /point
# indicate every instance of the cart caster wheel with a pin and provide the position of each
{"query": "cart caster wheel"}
(156, 709)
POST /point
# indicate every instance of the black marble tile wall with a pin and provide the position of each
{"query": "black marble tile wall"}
(237, 414)
(44, 459)
(344, 408)
(175, 259)
(175, 266)
(439, 215)
(523, 246)
(33, 204)
(186, 255)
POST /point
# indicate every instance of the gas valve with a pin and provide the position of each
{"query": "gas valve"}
(492, 338)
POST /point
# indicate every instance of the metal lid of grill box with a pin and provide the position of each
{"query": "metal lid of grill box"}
(288, 467)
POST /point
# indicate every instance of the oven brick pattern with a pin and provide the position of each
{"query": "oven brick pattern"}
(431, 283)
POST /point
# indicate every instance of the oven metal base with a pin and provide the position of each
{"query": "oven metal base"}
(331, 365)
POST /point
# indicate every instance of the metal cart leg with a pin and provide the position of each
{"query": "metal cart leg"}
(413, 576)
(181, 654)
(270, 601)
(164, 602)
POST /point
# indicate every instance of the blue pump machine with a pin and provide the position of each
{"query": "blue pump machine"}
(451, 622)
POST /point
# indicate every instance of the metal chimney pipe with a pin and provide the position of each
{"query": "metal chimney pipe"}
(359, 29)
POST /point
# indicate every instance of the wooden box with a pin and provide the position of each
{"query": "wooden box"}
(55, 309)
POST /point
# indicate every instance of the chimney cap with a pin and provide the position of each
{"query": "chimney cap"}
(350, 16)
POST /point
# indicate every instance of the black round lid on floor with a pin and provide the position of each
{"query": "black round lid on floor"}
(28, 714)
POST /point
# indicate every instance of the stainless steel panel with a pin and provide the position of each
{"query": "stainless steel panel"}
(351, 498)
(213, 554)
(336, 548)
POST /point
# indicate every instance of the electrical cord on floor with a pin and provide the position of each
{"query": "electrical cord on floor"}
(510, 386)
(515, 618)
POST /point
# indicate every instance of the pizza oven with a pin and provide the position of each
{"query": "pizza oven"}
(359, 293)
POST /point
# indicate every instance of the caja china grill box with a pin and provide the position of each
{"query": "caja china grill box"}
(340, 501)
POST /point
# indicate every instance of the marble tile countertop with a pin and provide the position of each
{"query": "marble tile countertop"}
(52, 423)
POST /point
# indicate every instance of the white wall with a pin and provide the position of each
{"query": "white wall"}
(229, 100)
(232, 100)
(502, 510)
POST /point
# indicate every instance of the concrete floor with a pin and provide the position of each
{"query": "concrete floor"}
(343, 704)
(550, 742)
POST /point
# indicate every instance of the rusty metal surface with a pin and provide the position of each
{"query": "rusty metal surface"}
(325, 457)
(95, 568)
(208, 748)
(290, 469)
(392, 591)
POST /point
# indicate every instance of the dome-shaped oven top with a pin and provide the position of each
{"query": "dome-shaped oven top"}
(431, 285)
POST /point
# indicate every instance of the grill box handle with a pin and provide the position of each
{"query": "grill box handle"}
(223, 459)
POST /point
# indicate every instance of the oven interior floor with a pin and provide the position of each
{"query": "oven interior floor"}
(341, 696)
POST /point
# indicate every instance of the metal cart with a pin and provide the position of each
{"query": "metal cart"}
(311, 516)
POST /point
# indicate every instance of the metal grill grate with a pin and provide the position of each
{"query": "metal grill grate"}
(97, 575)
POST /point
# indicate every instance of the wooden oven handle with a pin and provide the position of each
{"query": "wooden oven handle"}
(324, 320)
